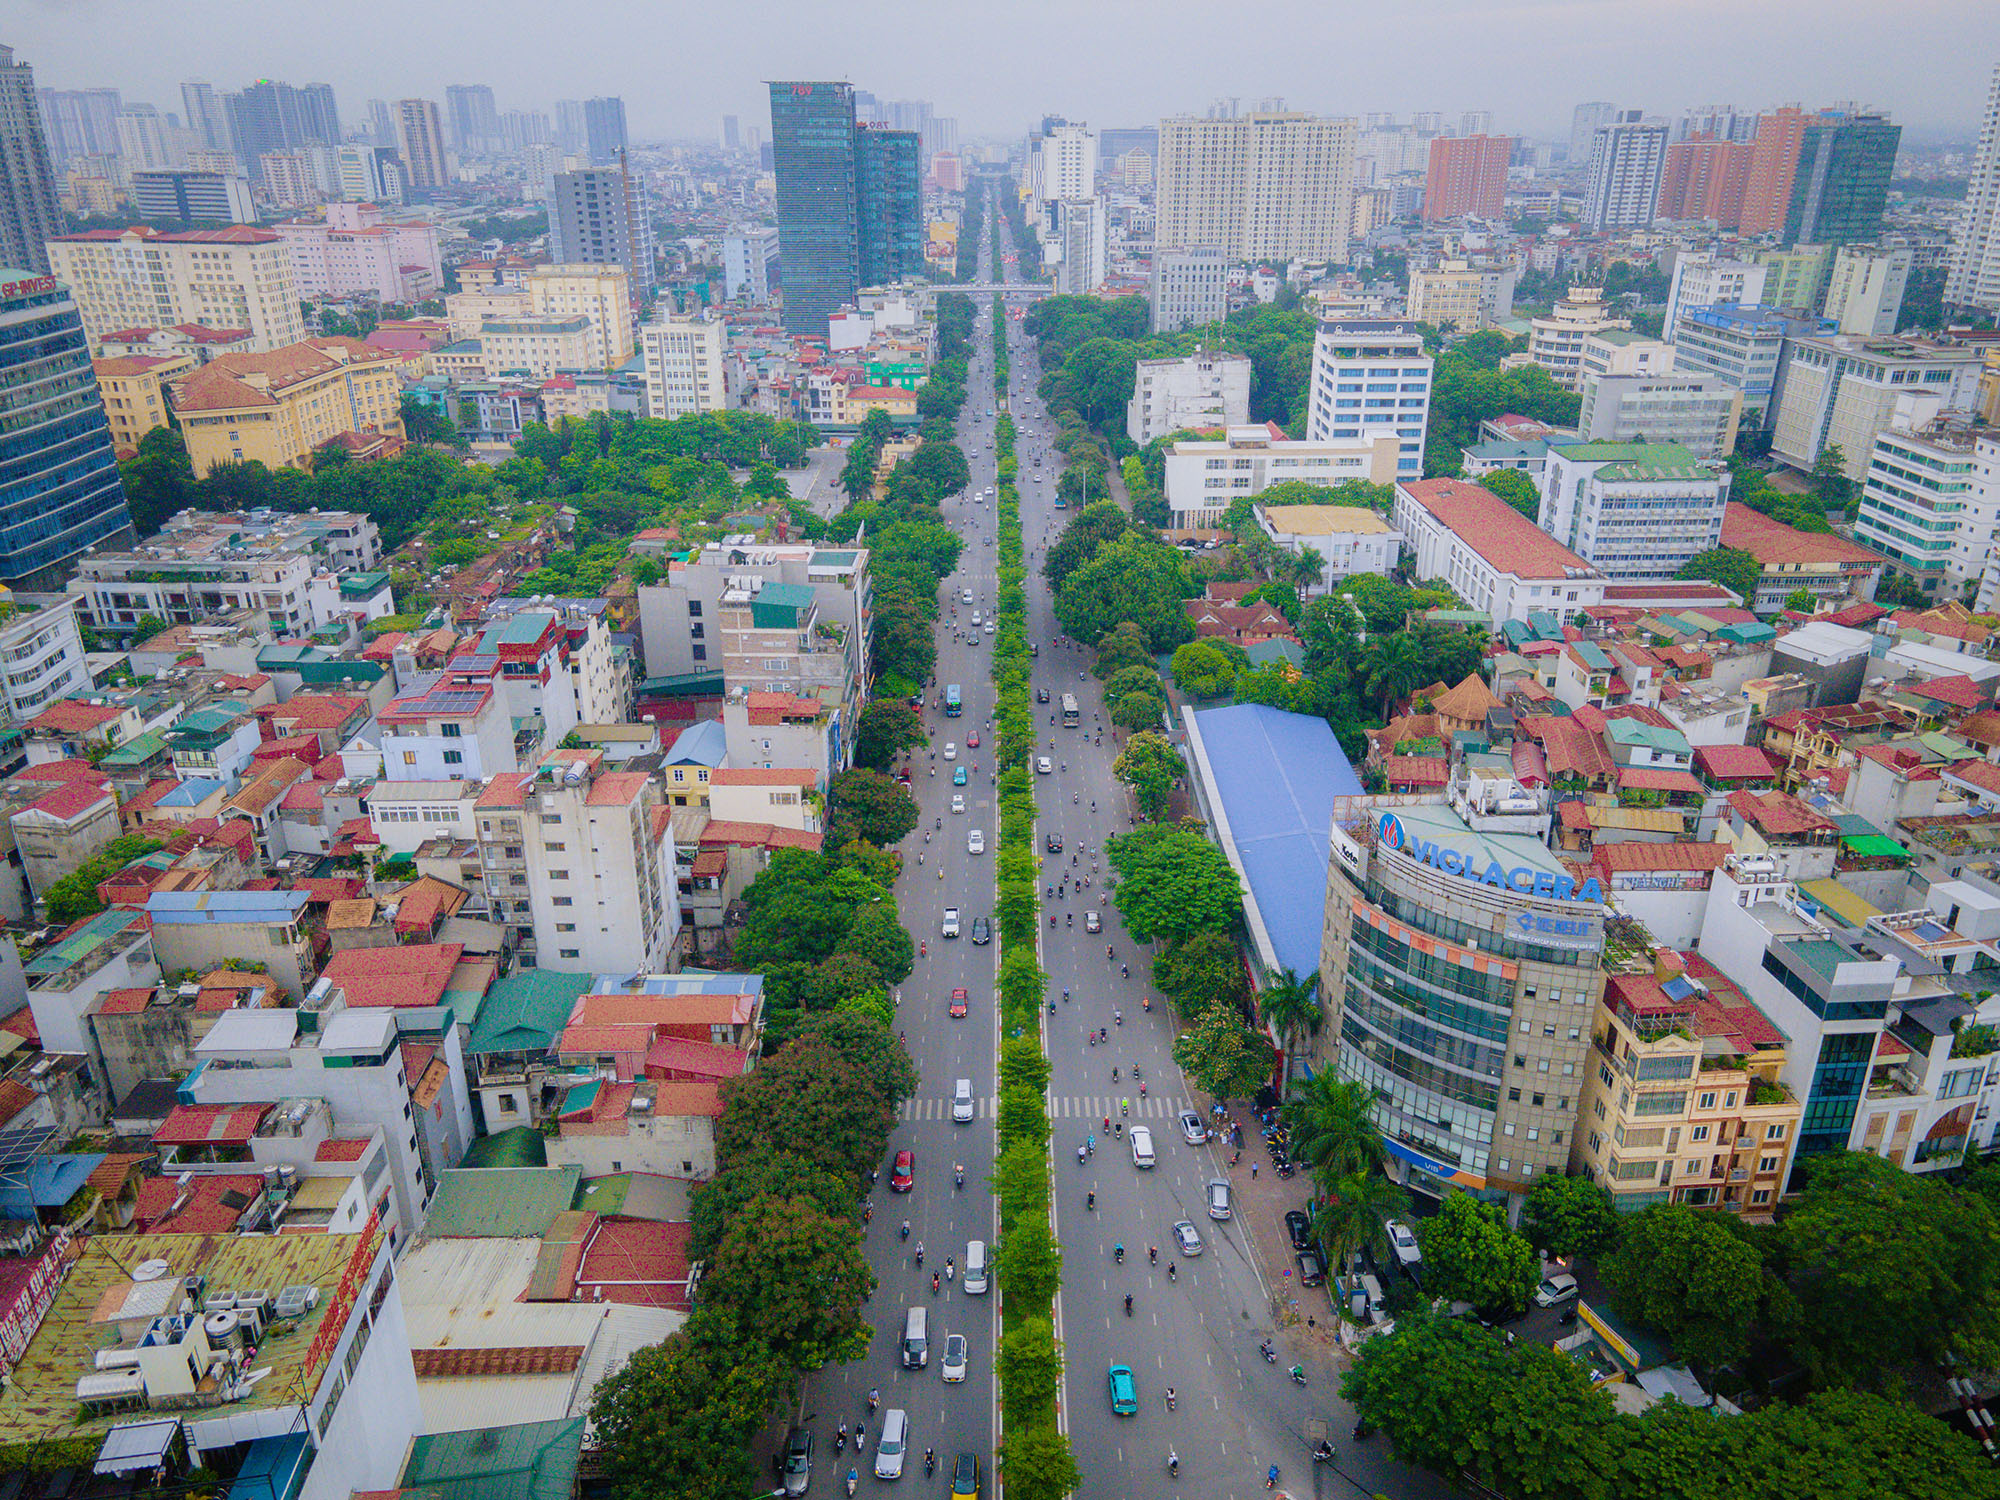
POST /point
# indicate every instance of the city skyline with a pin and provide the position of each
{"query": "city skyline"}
(1528, 64)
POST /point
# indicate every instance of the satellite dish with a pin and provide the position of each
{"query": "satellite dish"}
(151, 1270)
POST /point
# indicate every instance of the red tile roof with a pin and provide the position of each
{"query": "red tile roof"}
(1954, 692)
(1415, 770)
(1634, 857)
(71, 800)
(15, 1096)
(214, 1204)
(636, 1262)
(1571, 748)
(1735, 763)
(1772, 542)
(211, 1124)
(1507, 540)
(1724, 1012)
(413, 975)
(1779, 813)
(73, 716)
(1980, 773)
(670, 1055)
(342, 1148)
(738, 833)
(124, 1002)
(760, 776)
(617, 789)
(1657, 779)
(69, 769)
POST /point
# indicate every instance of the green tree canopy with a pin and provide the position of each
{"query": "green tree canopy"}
(796, 1278)
(1222, 1055)
(1516, 488)
(868, 805)
(1569, 1216)
(1732, 567)
(1203, 669)
(887, 728)
(1689, 1274)
(1152, 767)
(1470, 1255)
(1200, 970)
(1128, 579)
(806, 1099)
(1174, 883)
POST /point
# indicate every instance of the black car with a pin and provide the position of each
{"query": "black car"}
(1312, 1272)
(982, 930)
(1041, 695)
(1299, 1227)
(1053, 843)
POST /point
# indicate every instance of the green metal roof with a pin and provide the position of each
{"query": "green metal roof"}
(359, 585)
(136, 751)
(1640, 461)
(525, 1461)
(103, 928)
(500, 1202)
(1875, 846)
(527, 1010)
(522, 1146)
(1632, 732)
(778, 605)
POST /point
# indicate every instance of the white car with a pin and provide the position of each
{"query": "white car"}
(1187, 1237)
(1403, 1241)
(975, 842)
(1142, 1146)
(1044, 766)
(958, 802)
(965, 596)
(1556, 1291)
(989, 627)
(951, 749)
(976, 617)
(953, 1367)
(1218, 1199)
(951, 921)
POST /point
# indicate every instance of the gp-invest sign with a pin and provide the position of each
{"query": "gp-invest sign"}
(1390, 834)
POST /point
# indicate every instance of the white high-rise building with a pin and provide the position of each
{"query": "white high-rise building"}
(1975, 260)
(1583, 128)
(1926, 504)
(1702, 279)
(1065, 164)
(360, 174)
(143, 140)
(683, 366)
(1626, 158)
(1210, 389)
(1267, 185)
(1368, 375)
(747, 257)
(1188, 289)
(1864, 291)
(1083, 236)
(1636, 512)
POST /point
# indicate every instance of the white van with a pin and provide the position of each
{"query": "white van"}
(1142, 1146)
(961, 1103)
(975, 1266)
(892, 1444)
(916, 1339)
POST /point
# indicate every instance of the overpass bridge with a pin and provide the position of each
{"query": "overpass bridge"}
(1003, 288)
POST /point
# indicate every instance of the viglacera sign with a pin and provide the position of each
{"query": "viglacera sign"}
(1390, 834)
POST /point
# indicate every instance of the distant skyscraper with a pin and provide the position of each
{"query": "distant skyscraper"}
(142, 139)
(1626, 159)
(1583, 128)
(1842, 180)
(1256, 186)
(472, 123)
(522, 128)
(888, 205)
(732, 134)
(1975, 261)
(202, 108)
(59, 488)
(1467, 175)
(1476, 122)
(604, 129)
(29, 215)
(1703, 178)
(80, 122)
(572, 134)
(422, 131)
(813, 149)
(1774, 157)
(275, 117)
(598, 217)
(382, 124)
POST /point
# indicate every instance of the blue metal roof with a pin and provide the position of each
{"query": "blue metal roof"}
(1277, 775)
(191, 908)
(702, 744)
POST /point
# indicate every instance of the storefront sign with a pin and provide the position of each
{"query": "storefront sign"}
(1390, 834)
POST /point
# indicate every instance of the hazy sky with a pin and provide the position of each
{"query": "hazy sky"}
(681, 64)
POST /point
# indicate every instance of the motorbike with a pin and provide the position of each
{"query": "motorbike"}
(1298, 1375)
(1323, 1454)
(1118, 1254)
(1173, 1463)
(1171, 1404)
(930, 1463)
(958, 1176)
(853, 1479)
(1270, 1354)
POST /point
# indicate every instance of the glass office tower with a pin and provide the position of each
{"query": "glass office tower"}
(889, 204)
(813, 148)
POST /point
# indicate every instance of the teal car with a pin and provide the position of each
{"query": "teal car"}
(958, 776)
(1124, 1392)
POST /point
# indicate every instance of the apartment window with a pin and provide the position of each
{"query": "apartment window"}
(558, 874)
(1774, 1132)
(570, 952)
(509, 1105)
(451, 731)
(409, 757)
(1761, 1195)
(454, 757)
(554, 846)
(1539, 1101)
(1513, 1096)
(561, 901)
(1705, 1101)
(565, 927)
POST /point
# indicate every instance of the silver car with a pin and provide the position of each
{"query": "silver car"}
(1188, 1237)
(953, 1367)
(1218, 1198)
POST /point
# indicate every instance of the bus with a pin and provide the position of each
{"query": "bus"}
(1069, 710)
(954, 704)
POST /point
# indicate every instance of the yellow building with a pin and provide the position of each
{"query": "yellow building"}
(852, 403)
(135, 400)
(1681, 1101)
(1466, 296)
(278, 407)
(240, 277)
(600, 293)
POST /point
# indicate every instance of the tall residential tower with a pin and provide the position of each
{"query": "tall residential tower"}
(29, 215)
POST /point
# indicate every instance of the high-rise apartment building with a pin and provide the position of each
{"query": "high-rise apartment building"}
(472, 123)
(1842, 390)
(60, 493)
(1188, 289)
(1975, 259)
(1261, 185)
(598, 217)
(604, 130)
(522, 128)
(1627, 157)
(202, 111)
(142, 139)
(289, 180)
(748, 255)
(360, 169)
(572, 134)
(1463, 295)
(421, 130)
(1774, 157)
(1082, 242)
(683, 366)
(239, 277)
(80, 122)
(194, 197)
(271, 116)
(1368, 375)
(29, 214)
(1584, 120)
(1841, 182)
(813, 145)
(601, 293)
(1864, 291)
(732, 133)
(1922, 506)
(1703, 178)
(1063, 164)
(1467, 175)
(888, 205)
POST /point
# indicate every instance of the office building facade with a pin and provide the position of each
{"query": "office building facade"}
(60, 494)
(1466, 296)
(1842, 390)
(193, 197)
(472, 120)
(271, 116)
(1702, 279)
(1697, 412)
(683, 366)
(1975, 261)
(29, 214)
(749, 255)
(1467, 175)
(1370, 375)
(201, 110)
(1636, 512)
(1741, 346)
(598, 217)
(1864, 290)
(604, 131)
(1841, 181)
(1922, 505)
(1627, 158)
(1202, 390)
(1259, 186)
(236, 278)
(888, 205)
(420, 128)
(1187, 289)
(1081, 241)
(813, 149)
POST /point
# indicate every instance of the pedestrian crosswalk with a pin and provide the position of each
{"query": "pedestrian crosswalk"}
(1070, 1107)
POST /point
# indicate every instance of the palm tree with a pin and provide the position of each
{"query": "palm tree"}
(1332, 1126)
(1396, 666)
(1292, 1006)
(1351, 1214)
(1308, 568)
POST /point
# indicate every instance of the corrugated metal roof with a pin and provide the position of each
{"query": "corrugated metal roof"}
(501, 1202)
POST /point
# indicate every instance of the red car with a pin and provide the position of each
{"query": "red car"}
(903, 1176)
(972, 740)
(958, 1003)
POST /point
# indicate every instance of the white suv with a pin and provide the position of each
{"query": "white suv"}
(975, 842)
(961, 1102)
(951, 921)
(1142, 1146)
